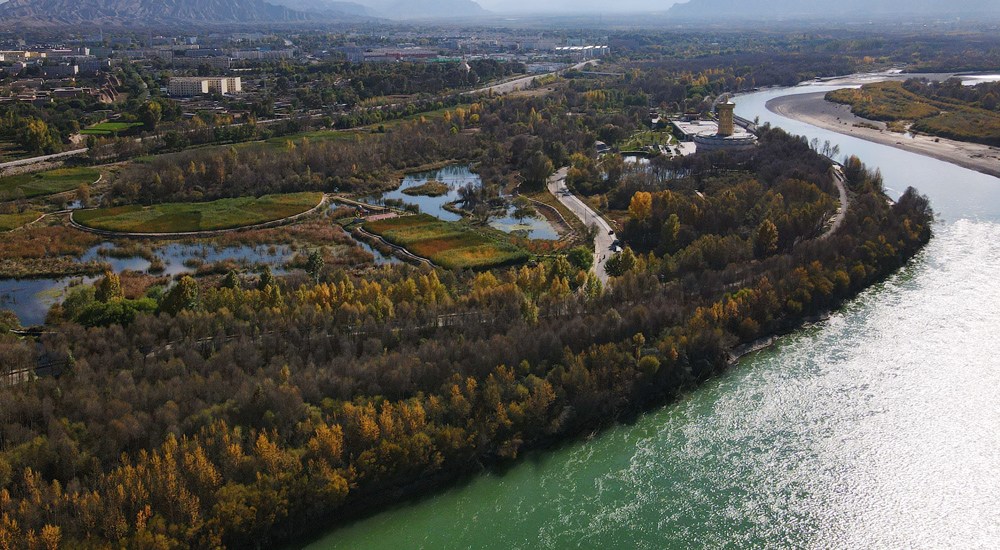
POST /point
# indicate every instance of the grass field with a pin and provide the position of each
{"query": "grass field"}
(109, 128)
(13, 221)
(453, 245)
(199, 216)
(46, 183)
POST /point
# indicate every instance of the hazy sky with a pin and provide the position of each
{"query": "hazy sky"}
(579, 5)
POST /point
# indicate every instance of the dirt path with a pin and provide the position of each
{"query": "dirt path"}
(838, 219)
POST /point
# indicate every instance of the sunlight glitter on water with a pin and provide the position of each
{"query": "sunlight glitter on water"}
(876, 429)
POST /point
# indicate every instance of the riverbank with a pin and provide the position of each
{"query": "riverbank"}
(813, 109)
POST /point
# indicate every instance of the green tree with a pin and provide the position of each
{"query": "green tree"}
(620, 263)
(668, 234)
(150, 114)
(231, 280)
(581, 257)
(183, 295)
(109, 289)
(538, 170)
(314, 266)
(266, 279)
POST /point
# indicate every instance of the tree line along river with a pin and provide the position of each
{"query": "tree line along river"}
(878, 428)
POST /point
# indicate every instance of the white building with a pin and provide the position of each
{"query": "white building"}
(196, 85)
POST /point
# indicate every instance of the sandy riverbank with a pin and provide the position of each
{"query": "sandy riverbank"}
(814, 109)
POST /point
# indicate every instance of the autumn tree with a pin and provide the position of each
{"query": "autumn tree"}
(765, 239)
(109, 288)
(36, 137)
(641, 206)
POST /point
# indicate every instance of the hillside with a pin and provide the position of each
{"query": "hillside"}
(145, 12)
(325, 7)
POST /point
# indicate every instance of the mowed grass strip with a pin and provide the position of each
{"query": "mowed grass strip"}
(46, 183)
(198, 216)
(448, 244)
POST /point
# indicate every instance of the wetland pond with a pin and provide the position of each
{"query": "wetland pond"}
(456, 177)
(31, 299)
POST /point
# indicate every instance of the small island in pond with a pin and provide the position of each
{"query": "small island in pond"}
(432, 188)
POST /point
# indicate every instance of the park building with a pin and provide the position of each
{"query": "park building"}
(187, 86)
(722, 134)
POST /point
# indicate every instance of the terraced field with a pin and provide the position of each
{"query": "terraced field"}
(199, 216)
(46, 183)
(453, 245)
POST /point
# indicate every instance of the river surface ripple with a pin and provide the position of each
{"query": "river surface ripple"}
(879, 428)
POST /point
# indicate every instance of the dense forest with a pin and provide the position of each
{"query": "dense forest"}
(502, 136)
(246, 411)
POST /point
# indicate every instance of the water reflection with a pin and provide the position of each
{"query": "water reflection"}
(31, 299)
(456, 177)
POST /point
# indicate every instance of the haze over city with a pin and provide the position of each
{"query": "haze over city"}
(351, 275)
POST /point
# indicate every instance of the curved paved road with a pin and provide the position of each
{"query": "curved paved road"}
(605, 235)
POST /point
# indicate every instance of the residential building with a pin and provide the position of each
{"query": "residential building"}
(196, 85)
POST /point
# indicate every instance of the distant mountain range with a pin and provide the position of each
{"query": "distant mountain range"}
(207, 12)
(144, 12)
(757, 10)
(391, 9)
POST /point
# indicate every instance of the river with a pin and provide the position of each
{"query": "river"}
(879, 428)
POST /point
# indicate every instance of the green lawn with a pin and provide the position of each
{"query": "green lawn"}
(46, 183)
(199, 216)
(13, 221)
(109, 128)
(453, 245)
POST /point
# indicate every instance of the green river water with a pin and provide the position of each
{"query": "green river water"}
(879, 428)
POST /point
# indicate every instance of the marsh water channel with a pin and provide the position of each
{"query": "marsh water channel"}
(31, 299)
(878, 428)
